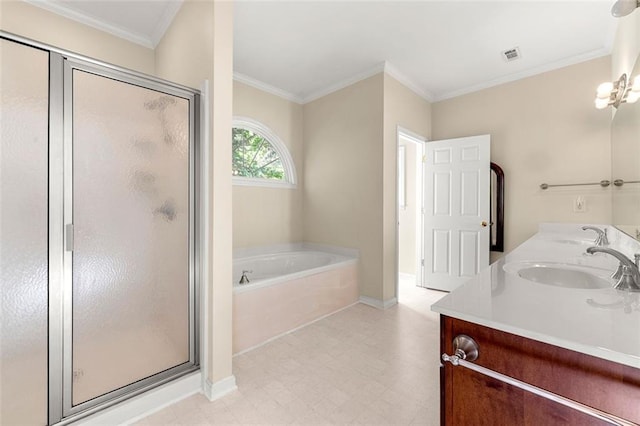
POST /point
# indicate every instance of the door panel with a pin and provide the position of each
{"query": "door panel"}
(442, 193)
(468, 253)
(441, 244)
(24, 98)
(131, 217)
(469, 193)
(456, 213)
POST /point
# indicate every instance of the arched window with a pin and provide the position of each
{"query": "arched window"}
(260, 158)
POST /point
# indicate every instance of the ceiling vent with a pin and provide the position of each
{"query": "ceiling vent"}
(511, 54)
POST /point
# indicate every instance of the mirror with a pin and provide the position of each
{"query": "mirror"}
(625, 165)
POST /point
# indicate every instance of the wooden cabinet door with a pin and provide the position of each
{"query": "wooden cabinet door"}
(471, 398)
(477, 399)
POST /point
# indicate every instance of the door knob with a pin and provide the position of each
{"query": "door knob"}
(484, 223)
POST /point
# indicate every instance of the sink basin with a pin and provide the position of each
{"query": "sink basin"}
(561, 275)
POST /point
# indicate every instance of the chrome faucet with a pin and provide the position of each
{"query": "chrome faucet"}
(628, 275)
(243, 278)
(601, 239)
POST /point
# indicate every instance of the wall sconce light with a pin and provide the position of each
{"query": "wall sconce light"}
(618, 92)
(624, 7)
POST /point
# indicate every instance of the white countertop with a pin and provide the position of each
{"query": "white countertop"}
(570, 318)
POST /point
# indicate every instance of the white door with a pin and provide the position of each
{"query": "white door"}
(456, 210)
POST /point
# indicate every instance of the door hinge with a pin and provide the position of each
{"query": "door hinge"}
(424, 158)
(69, 237)
(422, 261)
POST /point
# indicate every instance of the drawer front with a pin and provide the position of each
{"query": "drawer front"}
(605, 385)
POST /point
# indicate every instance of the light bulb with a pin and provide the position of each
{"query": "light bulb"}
(604, 90)
(623, 7)
(632, 97)
(601, 103)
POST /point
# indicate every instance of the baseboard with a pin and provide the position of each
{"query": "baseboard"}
(377, 303)
(390, 302)
(138, 407)
(220, 388)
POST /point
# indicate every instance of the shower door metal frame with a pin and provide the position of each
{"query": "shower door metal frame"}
(117, 395)
(60, 201)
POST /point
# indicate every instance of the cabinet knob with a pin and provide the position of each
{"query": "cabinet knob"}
(464, 347)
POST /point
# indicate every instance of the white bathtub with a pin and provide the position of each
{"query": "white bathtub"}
(270, 269)
(288, 290)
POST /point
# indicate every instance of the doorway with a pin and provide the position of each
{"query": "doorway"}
(456, 215)
(409, 212)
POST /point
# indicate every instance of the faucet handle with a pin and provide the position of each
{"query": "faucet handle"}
(618, 273)
(601, 238)
(629, 279)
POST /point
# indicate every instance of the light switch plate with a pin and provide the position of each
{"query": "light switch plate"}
(579, 204)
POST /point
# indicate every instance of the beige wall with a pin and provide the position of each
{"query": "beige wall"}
(404, 108)
(266, 216)
(32, 22)
(543, 129)
(343, 175)
(199, 46)
(350, 173)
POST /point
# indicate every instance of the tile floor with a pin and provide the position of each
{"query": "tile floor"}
(359, 366)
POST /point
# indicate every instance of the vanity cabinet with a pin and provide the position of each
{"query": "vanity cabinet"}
(471, 398)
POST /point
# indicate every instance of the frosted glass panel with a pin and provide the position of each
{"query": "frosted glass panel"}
(24, 75)
(131, 218)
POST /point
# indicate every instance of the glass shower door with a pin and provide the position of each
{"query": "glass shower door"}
(129, 235)
(98, 254)
(24, 99)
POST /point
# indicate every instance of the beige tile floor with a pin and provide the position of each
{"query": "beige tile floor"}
(359, 366)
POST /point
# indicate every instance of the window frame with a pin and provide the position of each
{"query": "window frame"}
(290, 178)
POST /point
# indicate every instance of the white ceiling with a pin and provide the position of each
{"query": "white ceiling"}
(140, 21)
(304, 49)
(441, 48)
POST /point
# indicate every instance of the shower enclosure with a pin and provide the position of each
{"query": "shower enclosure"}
(98, 254)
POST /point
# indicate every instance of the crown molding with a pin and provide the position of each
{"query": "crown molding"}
(594, 54)
(376, 69)
(245, 79)
(61, 10)
(407, 82)
(385, 67)
(166, 19)
(392, 71)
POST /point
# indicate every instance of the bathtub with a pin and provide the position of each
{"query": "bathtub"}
(287, 290)
(269, 269)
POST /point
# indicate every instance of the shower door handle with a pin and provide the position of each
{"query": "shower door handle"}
(68, 236)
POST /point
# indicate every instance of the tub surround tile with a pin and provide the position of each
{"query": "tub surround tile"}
(267, 312)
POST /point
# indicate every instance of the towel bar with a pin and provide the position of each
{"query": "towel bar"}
(602, 183)
(465, 348)
(620, 182)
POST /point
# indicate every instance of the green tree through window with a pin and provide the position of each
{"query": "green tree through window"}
(254, 156)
